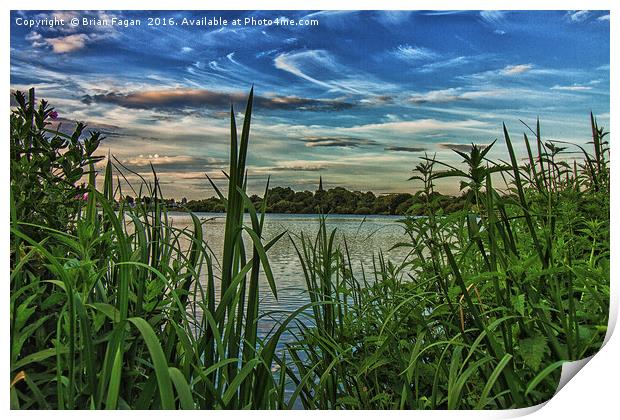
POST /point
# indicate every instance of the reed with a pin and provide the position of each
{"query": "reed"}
(491, 301)
(119, 310)
(114, 307)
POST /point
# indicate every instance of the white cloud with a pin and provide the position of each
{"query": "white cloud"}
(417, 126)
(604, 18)
(516, 69)
(390, 18)
(321, 68)
(451, 95)
(495, 19)
(36, 39)
(408, 52)
(69, 38)
(492, 16)
(391, 118)
(578, 16)
(156, 159)
(69, 43)
(452, 62)
(293, 62)
(520, 69)
(573, 88)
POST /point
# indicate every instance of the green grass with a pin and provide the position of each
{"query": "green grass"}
(107, 310)
(109, 314)
(490, 302)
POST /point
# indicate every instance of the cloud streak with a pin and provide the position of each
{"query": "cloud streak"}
(404, 149)
(412, 53)
(578, 16)
(67, 44)
(516, 69)
(337, 142)
(184, 98)
(451, 95)
(572, 88)
(328, 98)
(466, 148)
(322, 69)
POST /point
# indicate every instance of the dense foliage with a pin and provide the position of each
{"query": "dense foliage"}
(336, 200)
(46, 166)
(107, 310)
(490, 303)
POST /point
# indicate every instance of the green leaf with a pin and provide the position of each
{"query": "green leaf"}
(160, 364)
(36, 357)
(183, 390)
(542, 375)
(492, 379)
(518, 302)
(532, 350)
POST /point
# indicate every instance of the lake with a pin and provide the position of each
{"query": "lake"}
(366, 236)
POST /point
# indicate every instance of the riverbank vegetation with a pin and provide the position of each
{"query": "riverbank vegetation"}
(114, 307)
(336, 200)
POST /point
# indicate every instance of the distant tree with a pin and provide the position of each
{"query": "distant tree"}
(337, 200)
(396, 200)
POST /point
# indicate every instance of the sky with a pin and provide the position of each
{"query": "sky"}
(356, 97)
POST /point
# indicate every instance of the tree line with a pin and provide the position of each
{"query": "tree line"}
(336, 200)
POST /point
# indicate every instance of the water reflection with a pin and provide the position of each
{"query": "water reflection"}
(366, 236)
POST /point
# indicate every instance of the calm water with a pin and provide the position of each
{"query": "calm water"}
(365, 236)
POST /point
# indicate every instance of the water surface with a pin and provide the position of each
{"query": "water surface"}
(366, 236)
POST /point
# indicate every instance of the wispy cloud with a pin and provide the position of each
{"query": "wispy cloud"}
(337, 142)
(411, 127)
(412, 53)
(301, 167)
(404, 149)
(459, 146)
(69, 43)
(492, 16)
(327, 97)
(183, 98)
(68, 38)
(451, 94)
(578, 15)
(156, 159)
(294, 63)
(443, 64)
(496, 19)
(321, 68)
(391, 18)
(516, 69)
(573, 88)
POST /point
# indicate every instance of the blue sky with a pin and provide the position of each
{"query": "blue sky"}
(357, 98)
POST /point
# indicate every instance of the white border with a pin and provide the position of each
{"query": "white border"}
(591, 394)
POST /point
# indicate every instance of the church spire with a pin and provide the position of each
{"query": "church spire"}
(320, 183)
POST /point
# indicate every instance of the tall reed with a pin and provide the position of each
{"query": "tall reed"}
(121, 310)
(497, 295)
(113, 306)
